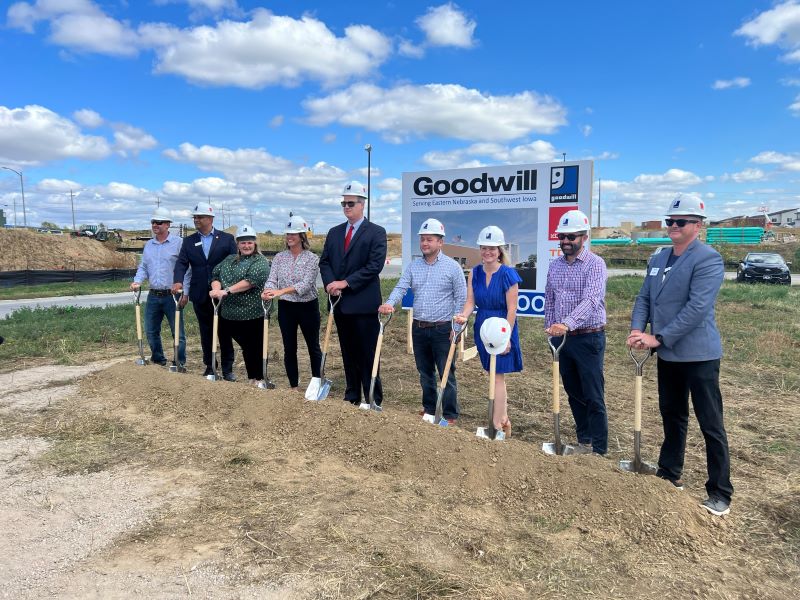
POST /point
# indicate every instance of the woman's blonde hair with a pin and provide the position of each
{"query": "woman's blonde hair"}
(503, 258)
(239, 252)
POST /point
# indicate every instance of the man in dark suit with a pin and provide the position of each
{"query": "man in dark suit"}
(204, 250)
(677, 300)
(352, 259)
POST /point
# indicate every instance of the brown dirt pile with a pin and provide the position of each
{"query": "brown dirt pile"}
(20, 250)
(335, 502)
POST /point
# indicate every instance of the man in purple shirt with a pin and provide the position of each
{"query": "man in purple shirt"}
(575, 306)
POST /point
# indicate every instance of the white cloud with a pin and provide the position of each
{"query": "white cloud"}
(391, 184)
(790, 162)
(24, 15)
(538, 151)
(276, 121)
(446, 110)
(672, 178)
(446, 25)
(97, 33)
(34, 134)
(406, 48)
(794, 107)
(88, 118)
(130, 140)
(790, 82)
(586, 130)
(329, 138)
(56, 186)
(745, 176)
(779, 25)
(267, 50)
(736, 82)
(225, 160)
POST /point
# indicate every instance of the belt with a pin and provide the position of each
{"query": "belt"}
(586, 330)
(426, 324)
(160, 292)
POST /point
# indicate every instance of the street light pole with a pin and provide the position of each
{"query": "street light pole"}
(72, 205)
(22, 189)
(368, 148)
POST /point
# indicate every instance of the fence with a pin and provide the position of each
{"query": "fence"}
(29, 277)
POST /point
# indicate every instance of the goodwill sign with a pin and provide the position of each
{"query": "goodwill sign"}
(525, 201)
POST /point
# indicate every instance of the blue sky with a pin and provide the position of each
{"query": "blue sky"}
(266, 107)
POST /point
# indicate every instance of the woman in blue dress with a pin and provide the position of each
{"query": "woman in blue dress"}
(493, 288)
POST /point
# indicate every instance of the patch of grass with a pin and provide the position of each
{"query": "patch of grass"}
(60, 333)
(87, 443)
(50, 290)
(239, 458)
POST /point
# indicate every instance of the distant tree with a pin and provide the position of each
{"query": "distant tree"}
(268, 232)
(49, 225)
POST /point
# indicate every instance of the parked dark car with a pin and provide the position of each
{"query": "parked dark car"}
(766, 267)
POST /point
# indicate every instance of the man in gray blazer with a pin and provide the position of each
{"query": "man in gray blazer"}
(677, 300)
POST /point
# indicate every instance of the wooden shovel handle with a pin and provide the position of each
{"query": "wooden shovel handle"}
(556, 389)
(637, 404)
(448, 364)
(138, 321)
(177, 327)
(377, 361)
(265, 344)
(215, 333)
(492, 375)
(327, 333)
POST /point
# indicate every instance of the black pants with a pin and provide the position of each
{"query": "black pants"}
(676, 380)
(249, 334)
(431, 347)
(305, 315)
(581, 368)
(358, 336)
(204, 311)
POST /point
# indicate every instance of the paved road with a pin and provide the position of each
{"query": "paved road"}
(391, 270)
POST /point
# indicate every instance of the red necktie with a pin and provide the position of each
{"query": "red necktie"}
(348, 237)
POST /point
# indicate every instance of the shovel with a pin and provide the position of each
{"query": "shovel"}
(141, 361)
(556, 448)
(436, 419)
(637, 465)
(490, 433)
(376, 363)
(214, 340)
(267, 383)
(319, 387)
(177, 367)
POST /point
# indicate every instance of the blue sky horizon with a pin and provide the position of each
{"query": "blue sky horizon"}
(265, 108)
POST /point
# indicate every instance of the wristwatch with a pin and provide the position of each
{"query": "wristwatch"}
(659, 339)
(227, 290)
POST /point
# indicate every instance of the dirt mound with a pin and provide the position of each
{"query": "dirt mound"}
(333, 501)
(22, 249)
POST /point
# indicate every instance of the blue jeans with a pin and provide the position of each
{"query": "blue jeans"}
(581, 367)
(431, 345)
(156, 308)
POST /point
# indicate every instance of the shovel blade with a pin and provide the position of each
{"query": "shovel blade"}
(643, 468)
(429, 418)
(364, 406)
(324, 389)
(312, 391)
(266, 385)
(142, 362)
(552, 449)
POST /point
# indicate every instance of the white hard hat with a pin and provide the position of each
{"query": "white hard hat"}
(296, 224)
(431, 227)
(491, 236)
(161, 214)
(203, 210)
(495, 333)
(244, 232)
(573, 221)
(355, 188)
(687, 205)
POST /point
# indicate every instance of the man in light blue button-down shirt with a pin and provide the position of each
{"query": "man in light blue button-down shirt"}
(157, 267)
(440, 291)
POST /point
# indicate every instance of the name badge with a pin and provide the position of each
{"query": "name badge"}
(653, 271)
(201, 243)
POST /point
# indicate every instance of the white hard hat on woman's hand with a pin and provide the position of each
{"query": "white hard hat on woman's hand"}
(495, 334)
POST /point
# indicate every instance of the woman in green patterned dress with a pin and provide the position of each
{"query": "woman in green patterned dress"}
(238, 281)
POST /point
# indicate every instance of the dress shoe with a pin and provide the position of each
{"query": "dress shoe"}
(229, 377)
(208, 371)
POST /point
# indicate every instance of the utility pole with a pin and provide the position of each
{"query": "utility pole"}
(599, 191)
(158, 202)
(22, 189)
(564, 154)
(72, 205)
(368, 148)
(251, 218)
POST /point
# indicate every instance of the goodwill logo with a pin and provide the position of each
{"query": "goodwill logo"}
(564, 184)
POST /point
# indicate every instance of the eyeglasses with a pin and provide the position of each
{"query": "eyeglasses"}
(679, 222)
(158, 222)
(569, 236)
(348, 203)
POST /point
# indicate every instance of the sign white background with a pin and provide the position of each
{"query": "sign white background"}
(523, 200)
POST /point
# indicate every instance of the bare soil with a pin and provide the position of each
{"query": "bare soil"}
(151, 483)
(22, 249)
